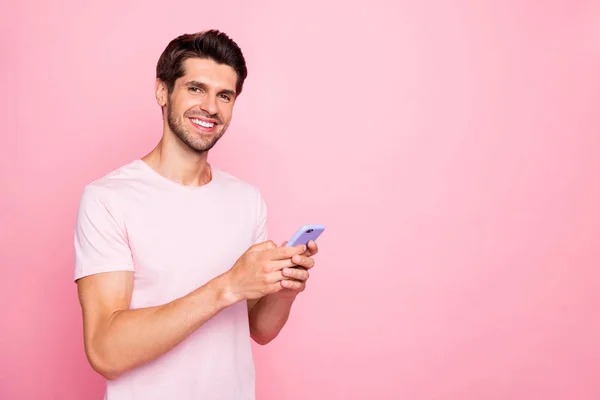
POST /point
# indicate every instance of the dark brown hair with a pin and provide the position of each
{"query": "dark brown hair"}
(211, 44)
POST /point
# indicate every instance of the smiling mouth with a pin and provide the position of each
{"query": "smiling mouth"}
(202, 124)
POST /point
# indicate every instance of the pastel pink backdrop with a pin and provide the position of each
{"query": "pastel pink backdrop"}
(451, 149)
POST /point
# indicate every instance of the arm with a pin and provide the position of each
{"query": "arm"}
(268, 315)
(118, 339)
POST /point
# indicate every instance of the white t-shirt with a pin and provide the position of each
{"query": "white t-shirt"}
(175, 238)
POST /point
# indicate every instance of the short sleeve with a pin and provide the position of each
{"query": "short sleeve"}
(261, 218)
(101, 243)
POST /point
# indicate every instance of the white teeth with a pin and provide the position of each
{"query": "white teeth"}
(203, 123)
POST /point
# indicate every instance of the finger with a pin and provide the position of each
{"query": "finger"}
(293, 285)
(275, 277)
(274, 287)
(284, 252)
(296, 261)
(299, 274)
(313, 248)
(284, 243)
(278, 265)
(303, 261)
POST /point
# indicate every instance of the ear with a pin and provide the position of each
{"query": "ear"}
(160, 92)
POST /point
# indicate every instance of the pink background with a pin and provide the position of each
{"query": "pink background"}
(451, 149)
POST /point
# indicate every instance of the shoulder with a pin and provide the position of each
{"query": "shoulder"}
(239, 186)
(109, 189)
(251, 201)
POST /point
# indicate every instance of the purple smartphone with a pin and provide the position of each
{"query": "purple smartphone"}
(305, 234)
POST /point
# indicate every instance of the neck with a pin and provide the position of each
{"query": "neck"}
(177, 162)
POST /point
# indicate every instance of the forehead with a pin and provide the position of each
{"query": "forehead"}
(209, 72)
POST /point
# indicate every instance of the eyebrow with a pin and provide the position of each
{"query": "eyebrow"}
(198, 83)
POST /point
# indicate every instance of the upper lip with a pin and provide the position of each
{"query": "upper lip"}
(206, 119)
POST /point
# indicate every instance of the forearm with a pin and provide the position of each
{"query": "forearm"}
(268, 317)
(130, 338)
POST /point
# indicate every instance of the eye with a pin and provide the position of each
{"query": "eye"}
(226, 97)
(195, 89)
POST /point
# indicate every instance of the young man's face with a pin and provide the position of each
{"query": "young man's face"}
(200, 108)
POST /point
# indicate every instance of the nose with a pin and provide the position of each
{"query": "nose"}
(209, 104)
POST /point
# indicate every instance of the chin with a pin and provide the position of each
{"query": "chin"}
(201, 146)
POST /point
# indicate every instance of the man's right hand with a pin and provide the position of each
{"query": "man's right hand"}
(258, 272)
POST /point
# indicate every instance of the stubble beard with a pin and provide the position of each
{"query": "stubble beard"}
(195, 142)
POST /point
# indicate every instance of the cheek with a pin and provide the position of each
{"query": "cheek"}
(175, 108)
(181, 105)
(226, 111)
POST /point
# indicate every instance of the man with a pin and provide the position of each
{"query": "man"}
(173, 267)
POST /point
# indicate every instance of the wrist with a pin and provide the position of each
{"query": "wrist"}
(284, 295)
(226, 293)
